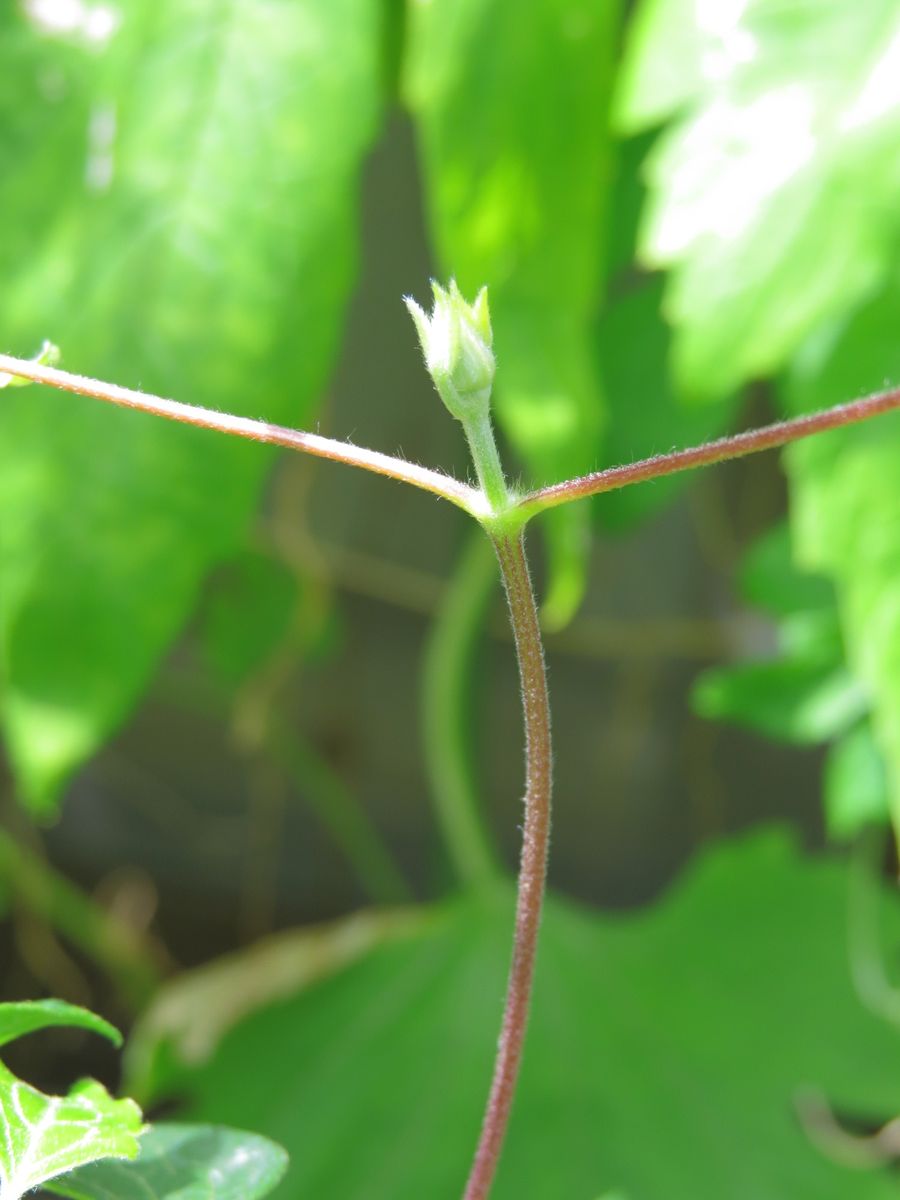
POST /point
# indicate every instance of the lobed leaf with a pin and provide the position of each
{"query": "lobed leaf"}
(661, 1046)
(773, 192)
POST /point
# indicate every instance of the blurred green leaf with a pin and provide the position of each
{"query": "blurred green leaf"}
(44, 1136)
(181, 217)
(247, 615)
(770, 578)
(691, 1024)
(28, 1016)
(646, 414)
(792, 700)
(774, 193)
(511, 103)
(856, 790)
(845, 506)
(183, 1162)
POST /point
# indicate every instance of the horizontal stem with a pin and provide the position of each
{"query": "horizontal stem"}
(767, 438)
(458, 493)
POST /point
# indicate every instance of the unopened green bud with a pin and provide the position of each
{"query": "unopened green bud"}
(456, 340)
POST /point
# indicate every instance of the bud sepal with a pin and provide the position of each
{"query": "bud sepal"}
(457, 342)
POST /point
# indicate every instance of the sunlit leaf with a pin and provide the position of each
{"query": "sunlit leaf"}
(773, 195)
(181, 218)
(183, 1162)
(692, 1024)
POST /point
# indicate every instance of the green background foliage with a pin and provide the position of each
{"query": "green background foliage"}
(686, 216)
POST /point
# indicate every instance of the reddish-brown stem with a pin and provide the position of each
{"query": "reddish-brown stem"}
(533, 866)
(257, 431)
(767, 438)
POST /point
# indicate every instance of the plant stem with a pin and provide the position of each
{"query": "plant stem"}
(439, 484)
(533, 866)
(753, 440)
(133, 961)
(446, 704)
(483, 448)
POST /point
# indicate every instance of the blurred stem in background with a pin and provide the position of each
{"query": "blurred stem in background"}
(132, 960)
(447, 700)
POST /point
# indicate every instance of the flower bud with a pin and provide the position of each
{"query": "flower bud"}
(456, 340)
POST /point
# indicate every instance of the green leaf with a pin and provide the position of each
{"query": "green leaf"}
(27, 1016)
(856, 788)
(792, 700)
(248, 615)
(511, 105)
(204, 250)
(44, 1136)
(183, 1162)
(770, 578)
(845, 506)
(646, 414)
(773, 195)
(692, 1024)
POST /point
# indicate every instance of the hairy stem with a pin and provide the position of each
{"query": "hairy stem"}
(450, 489)
(533, 866)
(768, 438)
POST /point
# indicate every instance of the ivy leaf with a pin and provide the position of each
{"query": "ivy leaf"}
(773, 194)
(183, 1162)
(511, 105)
(44, 1136)
(845, 507)
(392, 1055)
(28, 1016)
(181, 218)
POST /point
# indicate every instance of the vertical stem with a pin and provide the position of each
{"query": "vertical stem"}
(450, 656)
(486, 458)
(533, 867)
